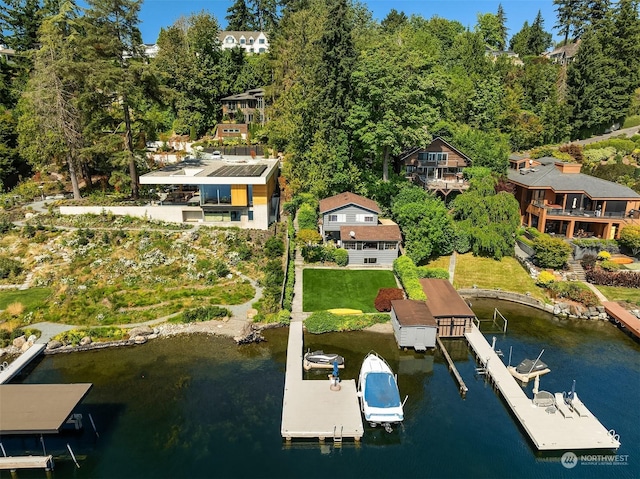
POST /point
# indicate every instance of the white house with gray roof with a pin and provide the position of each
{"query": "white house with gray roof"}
(556, 198)
(250, 42)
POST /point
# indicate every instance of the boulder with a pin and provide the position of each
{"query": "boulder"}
(576, 310)
(139, 339)
(252, 313)
(54, 344)
(32, 339)
(85, 341)
(26, 346)
(19, 342)
(140, 331)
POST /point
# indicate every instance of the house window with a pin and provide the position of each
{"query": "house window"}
(250, 215)
(389, 245)
(251, 41)
(370, 245)
(349, 245)
(370, 260)
(439, 157)
(337, 218)
(262, 50)
(229, 39)
(261, 41)
(411, 169)
(364, 218)
(242, 41)
(235, 216)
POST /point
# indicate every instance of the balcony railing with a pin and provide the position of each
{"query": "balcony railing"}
(555, 210)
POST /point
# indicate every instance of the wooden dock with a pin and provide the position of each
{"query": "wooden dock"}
(462, 387)
(550, 429)
(310, 409)
(622, 316)
(20, 362)
(13, 463)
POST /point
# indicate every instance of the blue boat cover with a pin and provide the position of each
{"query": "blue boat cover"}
(381, 390)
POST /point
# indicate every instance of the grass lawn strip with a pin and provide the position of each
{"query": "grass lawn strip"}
(487, 273)
(30, 298)
(617, 293)
(335, 288)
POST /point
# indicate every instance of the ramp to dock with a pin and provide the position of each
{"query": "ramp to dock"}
(621, 315)
(547, 427)
(310, 409)
(20, 362)
(13, 463)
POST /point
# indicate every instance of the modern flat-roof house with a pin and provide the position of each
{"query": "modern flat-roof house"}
(556, 198)
(250, 42)
(250, 102)
(437, 168)
(352, 222)
(231, 191)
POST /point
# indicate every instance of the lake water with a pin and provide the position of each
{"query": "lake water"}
(199, 406)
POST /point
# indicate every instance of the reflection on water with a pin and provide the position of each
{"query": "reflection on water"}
(200, 406)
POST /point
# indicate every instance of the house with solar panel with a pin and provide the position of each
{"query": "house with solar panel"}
(226, 191)
(352, 222)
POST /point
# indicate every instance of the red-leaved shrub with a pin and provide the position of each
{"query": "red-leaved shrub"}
(385, 296)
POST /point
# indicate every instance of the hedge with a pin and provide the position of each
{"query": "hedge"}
(574, 291)
(426, 272)
(326, 322)
(405, 269)
(613, 278)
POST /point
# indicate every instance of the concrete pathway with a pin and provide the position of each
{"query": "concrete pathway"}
(452, 266)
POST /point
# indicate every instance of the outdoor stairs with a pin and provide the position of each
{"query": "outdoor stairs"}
(577, 270)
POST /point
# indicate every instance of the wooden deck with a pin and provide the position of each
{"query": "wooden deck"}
(310, 409)
(13, 463)
(548, 431)
(20, 362)
(624, 317)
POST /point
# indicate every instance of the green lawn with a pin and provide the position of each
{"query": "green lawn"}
(616, 293)
(30, 298)
(336, 288)
(487, 273)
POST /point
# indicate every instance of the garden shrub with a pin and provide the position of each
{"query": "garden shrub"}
(566, 157)
(405, 269)
(545, 278)
(309, 237)
(325, 322)
(204, 313)
(574, 291)
(5, 225)
(9, 267)
(598, 244)
(313, 253)
(574, 150)
(604, 255)
(307, 217)
(532, 232)
(588, 261)
(426, 272)
(385, 296)
(341, 257)
(598, 155)
(221, 268)
(551, 252)
(462, 241)
(613, 278)
(274, 247)
(609, 265)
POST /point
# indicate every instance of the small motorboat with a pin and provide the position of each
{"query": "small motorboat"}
(321, 360)
(379, 394)
(528, 368)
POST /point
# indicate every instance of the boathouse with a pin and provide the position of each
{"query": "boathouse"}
(452, 315)
(413, 324)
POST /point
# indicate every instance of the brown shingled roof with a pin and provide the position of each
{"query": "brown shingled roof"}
(410, 312)
(443, 300)
(347, 198)
(371, 233)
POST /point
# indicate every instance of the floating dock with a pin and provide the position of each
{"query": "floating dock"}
(549, 429)
(624, 317)
(13, 463)
(310, 408)
(20, 362)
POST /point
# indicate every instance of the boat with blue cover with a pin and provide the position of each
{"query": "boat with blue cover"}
(379, 394)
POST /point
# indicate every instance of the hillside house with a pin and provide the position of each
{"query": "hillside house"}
(352, 222)
(250, 42)
(250, 103)
(437, 168)
(556, 198)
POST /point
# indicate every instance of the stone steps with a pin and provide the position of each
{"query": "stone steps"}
(577, 270)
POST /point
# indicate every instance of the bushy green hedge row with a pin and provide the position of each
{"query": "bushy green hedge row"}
(324, 253)
(598, 244)
(104, 333)
(326, 322)
(405, 269)
(574, 291)
(291, 269)
(438, 273)
(551, 252)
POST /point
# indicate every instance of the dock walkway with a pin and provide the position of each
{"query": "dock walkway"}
(20, 362)
(548, 428)
(621, 315)
(13, 463)
(310, 409)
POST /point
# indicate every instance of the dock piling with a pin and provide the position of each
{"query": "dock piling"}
(462, 387)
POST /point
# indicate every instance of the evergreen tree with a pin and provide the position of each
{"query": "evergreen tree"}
(502, 23)
(491, 30)
(239, 17)
(115, 42)
(519, 42)
(265, 15)
(394, 20)
(571, 15)
(539, 40)
(50, 128)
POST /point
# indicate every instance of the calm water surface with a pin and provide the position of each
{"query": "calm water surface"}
(202, 407)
